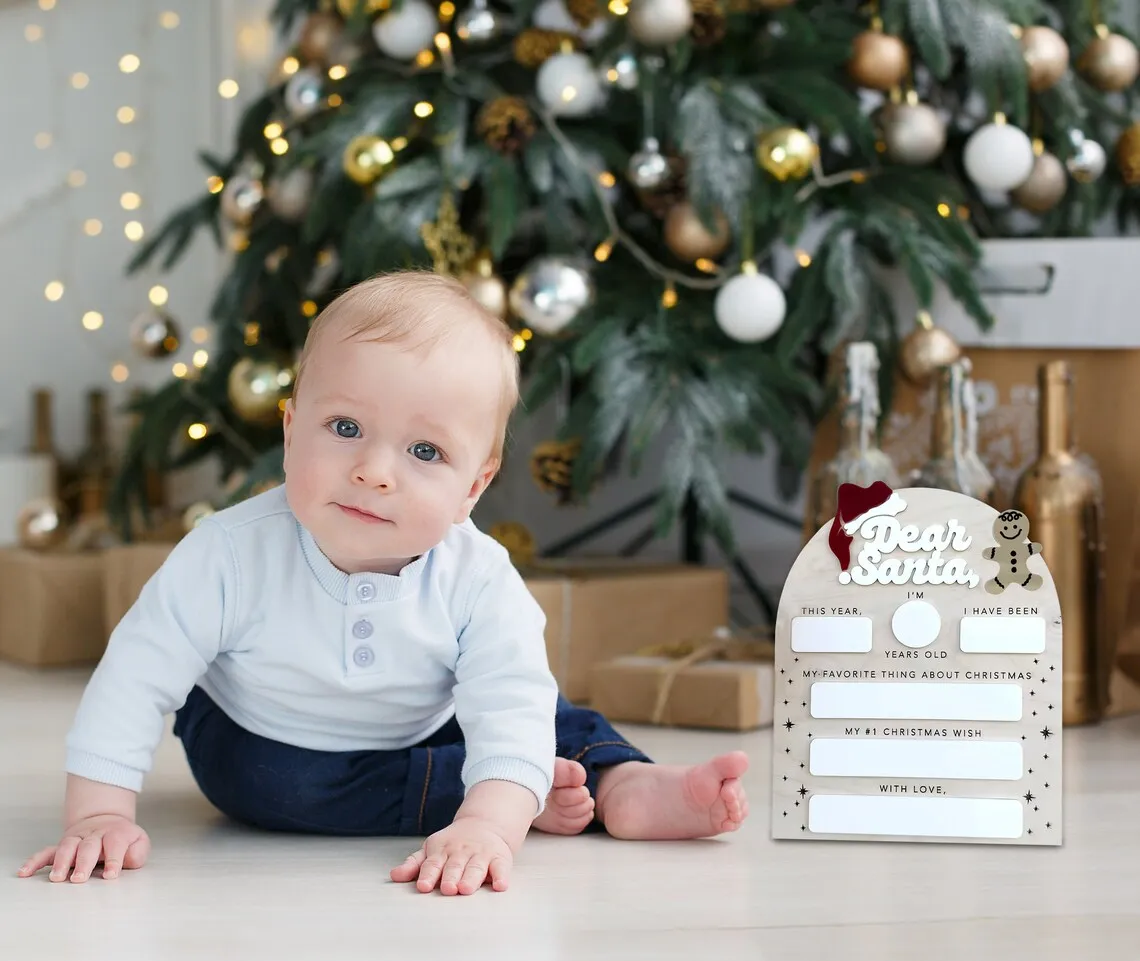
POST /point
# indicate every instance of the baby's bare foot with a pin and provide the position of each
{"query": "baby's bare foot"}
(652, 802)
(569, 807)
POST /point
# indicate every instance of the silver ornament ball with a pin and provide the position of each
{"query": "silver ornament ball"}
(913, 133)
(551, 292)
(480, 24)
(621, 72)
(241, 198)
(303, 93)
(401, 34)
(659, 23)
(648, 168)
(1088, 161)
(568, 86)
(289, 195)
(154, 334)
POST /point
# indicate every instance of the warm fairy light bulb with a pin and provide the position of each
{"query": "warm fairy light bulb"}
(803, 258)
(273, 130)
(527, 333)
(169, 20)
(125, 114)
(180, 369)
(606, 179)
(280, 146)
(338, 71)
(77, 178)
(54, 290)
(196, 431)
(446, 10)
(602, 251)
(119, 373)
(518, 342)
(335, 99)
(199, 335)
(423, 109)
(46, 5)
(228, 88)
(123, 159)
(309, 308)
(80, 80)
(92, 320)
(130, 200)
(201, 358)
(33, 32)
(129, 63)
(425, 58)
(43, 140)
(944, 210)
(133, 230)
(619, 8)
(93, 227)
(158, 295)
(669, 295)
(443, 41)
(290, 65)
(215, 184)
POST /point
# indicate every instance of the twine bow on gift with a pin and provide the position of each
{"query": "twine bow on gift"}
(753, 644)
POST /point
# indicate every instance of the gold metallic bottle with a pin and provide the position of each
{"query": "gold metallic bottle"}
(946, 467)
(859, 459)
(1060, 494)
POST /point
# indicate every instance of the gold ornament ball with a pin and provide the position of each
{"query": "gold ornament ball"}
(689, 239)
(1128, 155)
(787, 153)
(1110, 63)
(517, 539)
(241, 198)
(41, 524)
(1044, 187)
(154, 334)
(319, 35)
(366, 158)
(257, 389)
(486, 286)
(195, 514)
(912, 132)
(926, 349)
(1046, 57)
(348, 8)
(878, 60)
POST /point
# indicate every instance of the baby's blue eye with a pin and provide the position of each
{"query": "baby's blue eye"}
(346, 428)
(424, 452)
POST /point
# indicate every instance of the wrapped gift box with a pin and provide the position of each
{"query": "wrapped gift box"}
(734, 694)
(51, 607)
(600, 608)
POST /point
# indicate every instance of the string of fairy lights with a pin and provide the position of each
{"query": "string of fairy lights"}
(91, 316)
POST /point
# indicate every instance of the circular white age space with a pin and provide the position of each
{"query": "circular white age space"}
(916, 623)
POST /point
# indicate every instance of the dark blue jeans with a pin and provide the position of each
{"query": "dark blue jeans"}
(414, 792)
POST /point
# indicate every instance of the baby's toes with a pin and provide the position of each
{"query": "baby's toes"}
(570, 797)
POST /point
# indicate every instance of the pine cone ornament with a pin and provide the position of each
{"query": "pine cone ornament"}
(551, 467)
(534, 46)
(709, 22)
(506, 124)
(584, 12)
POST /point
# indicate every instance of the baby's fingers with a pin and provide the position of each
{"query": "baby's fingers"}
(452, 873)
(41, 859)
(473, 876)
(429, 873)
(86, 858)
(115, 846)
(64, 858)
(500, 873)
(410, 868)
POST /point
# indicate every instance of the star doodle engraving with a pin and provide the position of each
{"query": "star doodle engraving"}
(1046, 784)
(1031, 770)
(1046, 733)
(789, 724)
(782, 671)
(787, 750)
(797, 803)
(1029, 798)
(803, 827)
(785, 702)
(1031, 830)
(801, 765)
(802, 792)
(1049, 824)
(785, 814)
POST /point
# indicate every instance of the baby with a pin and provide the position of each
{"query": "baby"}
(348, 655)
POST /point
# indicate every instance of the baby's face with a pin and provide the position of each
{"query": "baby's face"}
(386, 447)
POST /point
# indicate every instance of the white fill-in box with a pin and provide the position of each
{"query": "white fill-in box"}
(901, 816)
(842, 634)
(1002, 634)
(915, 758)
(933, 701)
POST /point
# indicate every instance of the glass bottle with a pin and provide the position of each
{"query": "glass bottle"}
(94, 466)
(43, 436)
(1061, 495)
(946, 467)
(859, 459)
(982, 479)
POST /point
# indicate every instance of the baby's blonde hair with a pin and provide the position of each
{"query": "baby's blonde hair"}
(416, 309)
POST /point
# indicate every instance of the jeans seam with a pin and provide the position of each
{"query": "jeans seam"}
(590, 747)
(423, 797)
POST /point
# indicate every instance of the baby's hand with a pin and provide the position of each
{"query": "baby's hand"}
(115, 841)
(459, 858)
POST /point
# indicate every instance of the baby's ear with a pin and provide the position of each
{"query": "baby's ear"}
(482, 481)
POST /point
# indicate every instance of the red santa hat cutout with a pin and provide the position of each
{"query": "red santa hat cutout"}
(855, 506)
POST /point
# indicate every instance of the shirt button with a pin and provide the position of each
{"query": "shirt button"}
(363, 656)
(366, 591)
(362, 629)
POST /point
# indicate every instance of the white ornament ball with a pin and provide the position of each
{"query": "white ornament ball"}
(553, 15)
(750, 307)
(998, 156)
(658, 23)
(568, 85)
(403, 33)
(289, 195)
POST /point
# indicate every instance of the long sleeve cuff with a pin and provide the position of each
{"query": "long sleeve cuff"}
(105, 771)
(515, 770)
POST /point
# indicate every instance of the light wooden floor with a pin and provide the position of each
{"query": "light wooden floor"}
(214, 891)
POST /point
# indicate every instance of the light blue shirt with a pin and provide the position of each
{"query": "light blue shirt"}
(248, 607)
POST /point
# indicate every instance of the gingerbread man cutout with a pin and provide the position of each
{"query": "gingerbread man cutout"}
(1012, 553)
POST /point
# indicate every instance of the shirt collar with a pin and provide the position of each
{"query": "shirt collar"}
(353, 588)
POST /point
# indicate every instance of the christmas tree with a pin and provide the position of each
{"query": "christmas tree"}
(629, 184)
